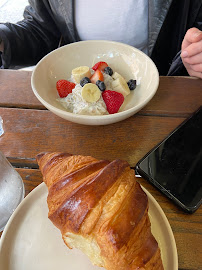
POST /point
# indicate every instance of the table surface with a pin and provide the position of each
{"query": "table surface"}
(31, 129)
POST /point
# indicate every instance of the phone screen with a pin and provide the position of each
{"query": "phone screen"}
(175, 165)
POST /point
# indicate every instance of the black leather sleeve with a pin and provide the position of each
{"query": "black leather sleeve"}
(27, 41)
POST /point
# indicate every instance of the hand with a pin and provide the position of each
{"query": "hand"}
(192, 52)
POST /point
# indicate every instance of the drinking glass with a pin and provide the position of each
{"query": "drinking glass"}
(11, 190)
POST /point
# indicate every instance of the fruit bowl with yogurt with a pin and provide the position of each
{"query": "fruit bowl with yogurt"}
(100, 74)
(94, 91)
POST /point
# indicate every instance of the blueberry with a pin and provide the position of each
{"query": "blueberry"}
(84, 81)
(101, 85)
(131, 84)
(108, 71)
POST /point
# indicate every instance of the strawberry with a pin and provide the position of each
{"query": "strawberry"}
(64, 87)
(100, 65)
(113, 100)
(97, 76)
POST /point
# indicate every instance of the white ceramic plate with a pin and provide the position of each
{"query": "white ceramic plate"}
(130, 62)
(31, 241)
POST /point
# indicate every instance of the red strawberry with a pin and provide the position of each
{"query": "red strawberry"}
(113, 100)
(64, 87)
(100, 65)
(97, 76)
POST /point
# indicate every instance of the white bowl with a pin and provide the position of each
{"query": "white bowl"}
(130, 62)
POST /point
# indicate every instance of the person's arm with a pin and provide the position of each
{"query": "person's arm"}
(26, 42)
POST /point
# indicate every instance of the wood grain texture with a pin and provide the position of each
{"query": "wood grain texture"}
(29, 132)
(176, 96)
(16, 91)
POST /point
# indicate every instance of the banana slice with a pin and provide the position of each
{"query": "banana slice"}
(90, 92)
(80, 72)
(120, 85)
(116, 75)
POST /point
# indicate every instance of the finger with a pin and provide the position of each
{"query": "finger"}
(192, 70)
(195, 74)
(191, 36)
(196, 68)
(193, 60)
(192, 49)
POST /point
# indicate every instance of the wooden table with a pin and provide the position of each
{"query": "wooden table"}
(30, 129)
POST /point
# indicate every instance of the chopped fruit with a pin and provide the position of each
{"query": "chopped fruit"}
(101, 85)
(108, 71)
(131, 84)
(113, 100)
(100, 65)
(90, 92)
(80, 72)
(64, 87)
(120, 85)
(97, 76)
(84, 81)
(97, 91)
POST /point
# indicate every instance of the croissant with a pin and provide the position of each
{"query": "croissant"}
(101, 209)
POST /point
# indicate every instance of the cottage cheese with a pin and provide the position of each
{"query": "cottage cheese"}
(76, 104)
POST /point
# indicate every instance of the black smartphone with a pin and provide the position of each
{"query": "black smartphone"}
(175, 165)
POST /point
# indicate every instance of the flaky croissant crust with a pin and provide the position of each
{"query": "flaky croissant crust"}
(100, 208)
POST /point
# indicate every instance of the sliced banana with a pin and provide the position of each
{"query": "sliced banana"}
(90, 92)
(116, 75)
(120, 85)
(80, 72)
